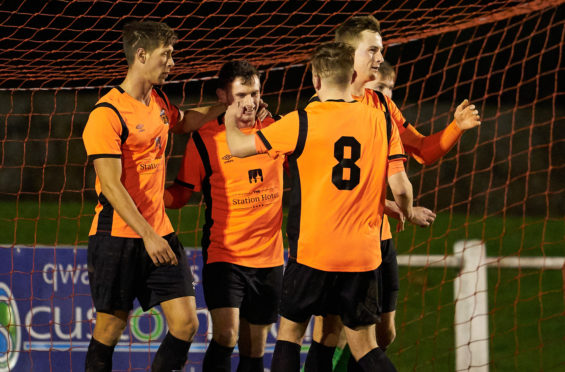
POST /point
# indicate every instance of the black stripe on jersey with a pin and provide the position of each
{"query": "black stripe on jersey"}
(387, 115)
(184, 184)
(166, 100)
(314, 99)
(277, 117)
(106, 216)
(264, 140)
(119, 88)
(163, 97)
(98, 156)
(125, 130)
(399, 156)
(206, 192)
(293, 222)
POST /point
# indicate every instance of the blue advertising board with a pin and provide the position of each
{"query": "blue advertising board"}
(47, 317)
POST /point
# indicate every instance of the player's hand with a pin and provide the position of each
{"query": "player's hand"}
(467, 116)
(422, 217)
(392, 210)
(262, 112)
(159, 251)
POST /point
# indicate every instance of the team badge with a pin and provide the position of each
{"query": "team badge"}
(164, 117)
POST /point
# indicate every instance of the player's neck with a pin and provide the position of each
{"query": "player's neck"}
(335, 93)
(139, 89)
(358, 87)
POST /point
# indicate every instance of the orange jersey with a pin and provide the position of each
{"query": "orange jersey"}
(339, 155)
(425, 149)
(243, 198)
(137, 134)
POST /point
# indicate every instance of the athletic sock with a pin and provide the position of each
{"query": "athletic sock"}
(286, 357)
(172, 354)
(341, 358)
(319, 358)
(249, 364)
(217, 358)
(353, 366)
(376, 360)
(98, 357)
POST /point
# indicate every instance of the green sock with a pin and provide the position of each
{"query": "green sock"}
(341, 358)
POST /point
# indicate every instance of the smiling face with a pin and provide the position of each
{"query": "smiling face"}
(368, 55)
(158, 64)
(246, 94)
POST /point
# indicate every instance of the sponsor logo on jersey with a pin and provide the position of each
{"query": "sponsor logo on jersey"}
(255, 174)
(227, 158)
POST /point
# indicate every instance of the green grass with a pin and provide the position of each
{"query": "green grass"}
(527, 324)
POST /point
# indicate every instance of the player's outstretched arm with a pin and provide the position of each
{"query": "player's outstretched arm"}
(176, 196)
(194, 118)
(241, 145)
(109, 171)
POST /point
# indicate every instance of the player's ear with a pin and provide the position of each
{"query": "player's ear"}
(354, 76)
(140, 55)
(316, 81)
(222, 96)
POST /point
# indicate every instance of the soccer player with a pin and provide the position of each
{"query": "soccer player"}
(363, 33)
(341, 153)
(132, 249)
(385, 78)
(242, 241)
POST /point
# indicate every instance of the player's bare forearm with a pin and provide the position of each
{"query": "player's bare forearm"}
(392, 210)
(402, 191)
(241, 145)
(195, 118)
(109, 171)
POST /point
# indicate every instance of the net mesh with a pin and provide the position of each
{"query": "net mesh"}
(503, 183)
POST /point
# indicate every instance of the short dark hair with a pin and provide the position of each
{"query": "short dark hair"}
(236, 69)
(148, 35)
(387, 71)
(333, 61)
(350, 31)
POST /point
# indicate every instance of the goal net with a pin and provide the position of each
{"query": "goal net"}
(503, 184)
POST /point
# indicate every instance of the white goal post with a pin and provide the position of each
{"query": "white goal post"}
(471, 295)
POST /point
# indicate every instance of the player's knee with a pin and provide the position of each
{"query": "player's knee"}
(184, 328)
(109, 331)
(386, 335)
(226, 337)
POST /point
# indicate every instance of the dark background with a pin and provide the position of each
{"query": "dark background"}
(58, 57)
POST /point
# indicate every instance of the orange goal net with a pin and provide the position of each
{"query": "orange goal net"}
(503, 184)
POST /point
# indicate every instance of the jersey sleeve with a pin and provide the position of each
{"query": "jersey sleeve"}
(395, 147)
(428, 150)
(280, 137)
(192, 171)
(101, 135)
(396, 115)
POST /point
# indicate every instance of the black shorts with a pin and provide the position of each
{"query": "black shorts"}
(388, 277)
(255, 291)
(351, 295)
(120, 270)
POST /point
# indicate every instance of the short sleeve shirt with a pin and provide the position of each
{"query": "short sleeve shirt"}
(243, 198)
(338, 154)
(140, 142)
